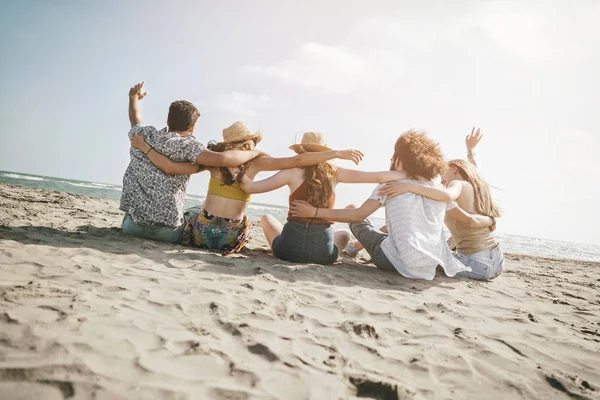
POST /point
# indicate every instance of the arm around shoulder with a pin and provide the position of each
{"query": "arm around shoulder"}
(305, 210)
(345, 175)
(467, 220)
(230, 158)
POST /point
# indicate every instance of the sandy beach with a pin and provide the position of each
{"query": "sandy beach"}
(87, 312)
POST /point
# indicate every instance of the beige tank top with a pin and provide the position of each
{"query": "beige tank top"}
(471, 240)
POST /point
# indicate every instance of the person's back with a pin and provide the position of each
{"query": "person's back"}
(416, 244)
(310, 240)
(222, 224)
(305, 240)
(153, 201)
(476, 247)
(149, 195)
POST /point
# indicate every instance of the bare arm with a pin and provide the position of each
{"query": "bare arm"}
(471, 141)
(229, 158)
(467, 220)
(135, 95)
(276, 181)
(305, 210)
(164, 163)
(345, 175)
(304, 160)
(435, 193)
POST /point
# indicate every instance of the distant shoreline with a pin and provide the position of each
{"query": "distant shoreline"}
(517, 244)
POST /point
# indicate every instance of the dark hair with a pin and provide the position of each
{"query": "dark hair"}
(421, 157)
(182, 116)
(227, 179)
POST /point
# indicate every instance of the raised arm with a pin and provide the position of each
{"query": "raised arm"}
(304, 210)
(471, 141)
(435, 193)
(229, 158)
(136, 93)
(276, 181)
(345, 175)
(267, 163)
(467, 220)
(164, 163)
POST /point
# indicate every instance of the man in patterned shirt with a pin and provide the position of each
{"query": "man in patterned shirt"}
(152, 200)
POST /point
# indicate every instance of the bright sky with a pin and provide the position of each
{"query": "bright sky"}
(360, 72)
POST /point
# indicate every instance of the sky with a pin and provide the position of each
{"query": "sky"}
(361, 73)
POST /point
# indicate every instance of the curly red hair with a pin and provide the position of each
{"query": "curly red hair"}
(420, 156)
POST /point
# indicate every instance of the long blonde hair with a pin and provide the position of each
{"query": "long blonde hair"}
(484, 204)
(319, 181)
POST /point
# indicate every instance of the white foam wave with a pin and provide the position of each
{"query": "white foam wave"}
(25, 177)
(91, 185)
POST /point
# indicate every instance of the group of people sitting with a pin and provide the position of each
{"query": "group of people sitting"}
(411, 243)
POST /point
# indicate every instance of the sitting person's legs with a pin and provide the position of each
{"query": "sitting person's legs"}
(371, 239)
(340, 240)
(271, 227)
(352, 249)
(485, 265)
(162, 233)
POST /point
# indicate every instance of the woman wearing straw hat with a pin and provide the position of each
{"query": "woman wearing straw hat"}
(310, 240)
(222, 224)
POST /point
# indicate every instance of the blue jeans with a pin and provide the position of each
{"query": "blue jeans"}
(371, 238)
(159, 232)
(303, 242)
(485, 265)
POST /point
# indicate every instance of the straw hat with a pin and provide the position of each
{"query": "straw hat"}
(311, 141)
(239, 132)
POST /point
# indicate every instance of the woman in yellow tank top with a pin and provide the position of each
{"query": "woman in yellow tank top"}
(222, 224)
(466, 191)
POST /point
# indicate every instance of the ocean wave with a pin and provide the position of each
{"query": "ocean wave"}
(91, 185)
(25, 177)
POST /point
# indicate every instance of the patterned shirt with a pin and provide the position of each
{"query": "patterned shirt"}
(416, 243)
(150, 196)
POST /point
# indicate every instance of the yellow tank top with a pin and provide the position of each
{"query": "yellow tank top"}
(235, 192)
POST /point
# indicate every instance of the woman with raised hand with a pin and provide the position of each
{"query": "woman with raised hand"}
(465, 191)
(222, 224)
(311, 239)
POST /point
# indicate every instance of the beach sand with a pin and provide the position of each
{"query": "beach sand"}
(87, 312)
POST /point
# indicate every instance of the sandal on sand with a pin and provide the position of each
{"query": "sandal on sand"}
(351, 251)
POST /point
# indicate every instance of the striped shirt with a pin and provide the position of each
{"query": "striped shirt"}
(416, 243)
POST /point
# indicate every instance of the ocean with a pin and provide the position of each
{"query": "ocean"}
(510, 243)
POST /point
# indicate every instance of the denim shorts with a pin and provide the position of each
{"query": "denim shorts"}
(303, 242)
(485, 265)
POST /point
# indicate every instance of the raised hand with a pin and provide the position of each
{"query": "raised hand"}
(393, 189)
(138, 141)
(137, 91)
(473, 139)
(355, 156)
(302, 209)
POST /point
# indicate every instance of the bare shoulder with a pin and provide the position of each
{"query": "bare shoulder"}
(255, 166)
(296, 172)
(466, 186)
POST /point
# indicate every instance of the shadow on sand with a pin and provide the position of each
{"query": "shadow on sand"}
(250, 262)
